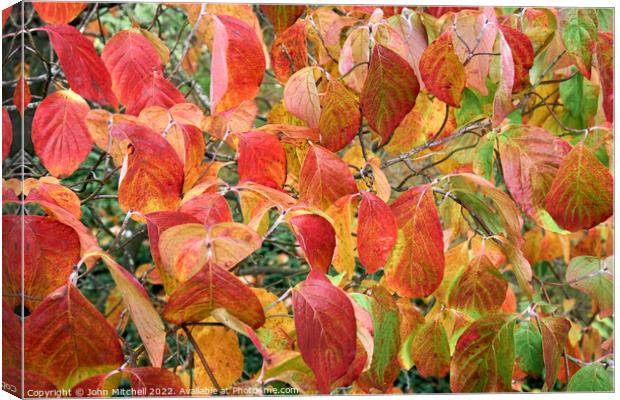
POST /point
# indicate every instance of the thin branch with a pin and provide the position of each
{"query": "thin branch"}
(202, 358)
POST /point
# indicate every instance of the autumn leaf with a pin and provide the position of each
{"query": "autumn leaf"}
(579, 33)
(289, 51)
(317, 239)
(580, 196)
(554, 331)
(59, 134)
(389, 93)
(237, 64)
(415, 266)
(301, 96)
(319, 307)
(129, 57)
(484, 356)
(261, 159)
(340, 117)
(58, 12)
(210, 288)
(86, 73)
(324, 178)
(376, 232)
(594, 277)
(442, 72)
(430, 349)
(67, 339)
(7, 133)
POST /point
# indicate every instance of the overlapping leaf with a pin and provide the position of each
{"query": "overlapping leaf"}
(376, 232)
(442, 72)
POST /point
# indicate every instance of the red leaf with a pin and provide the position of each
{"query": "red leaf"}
(289, 51)
(7, 133)
(213, 287)
(67, 339)
(389, 92)
(581, 195)
(416, 265)
(237, 65)
(317, 239)
(152, 90)
(21, 95)
(59, 133)
(5, 15)
(149, 381)
(325, 326)
(376, 232)
(208, 208)
(442, 72)
(605, 60)
(58, 12)
(86, 73)
(32, 382)
(261, 159)
(282, 16)
(47, 261)
(522, 54)
(129, 57)
(11, 338)
(324, 178)
(152, 177)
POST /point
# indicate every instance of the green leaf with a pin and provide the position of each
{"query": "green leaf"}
(471, 108)
(385, 322)
(484, 356)
(580, 97)
(591, 378)
(578, 27)
(528, 347)
(594, 276)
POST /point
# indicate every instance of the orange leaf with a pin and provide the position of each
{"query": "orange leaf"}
(325, 326)
(289, 51)
(152, 177)
(261, 159)
(430, 349)
(480, 287)
(211, 288)
(21, 94)
(58, 12)
(389, 93)
(415, 267)
(581, 195)
(324, 178)
(282, 16)
(340, 117)
(208, 208)
(84, 70)
(237, 65)
(149, 381)
(67, 340)
(59, 133)
(129, 57)
(442, 72)
(376, 232)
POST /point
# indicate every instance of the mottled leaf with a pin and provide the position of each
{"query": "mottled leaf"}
(67, 339)
(389, 93)
(581, 194)
(289, 51)
(579, 33)
(594, 277)
(324, 178)
(211, 288)
(522, 54)
(442, 72)
(415, 267)
(554, 331)
(484, 356)
(340, 116)
(301, 95)
(430, 349)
